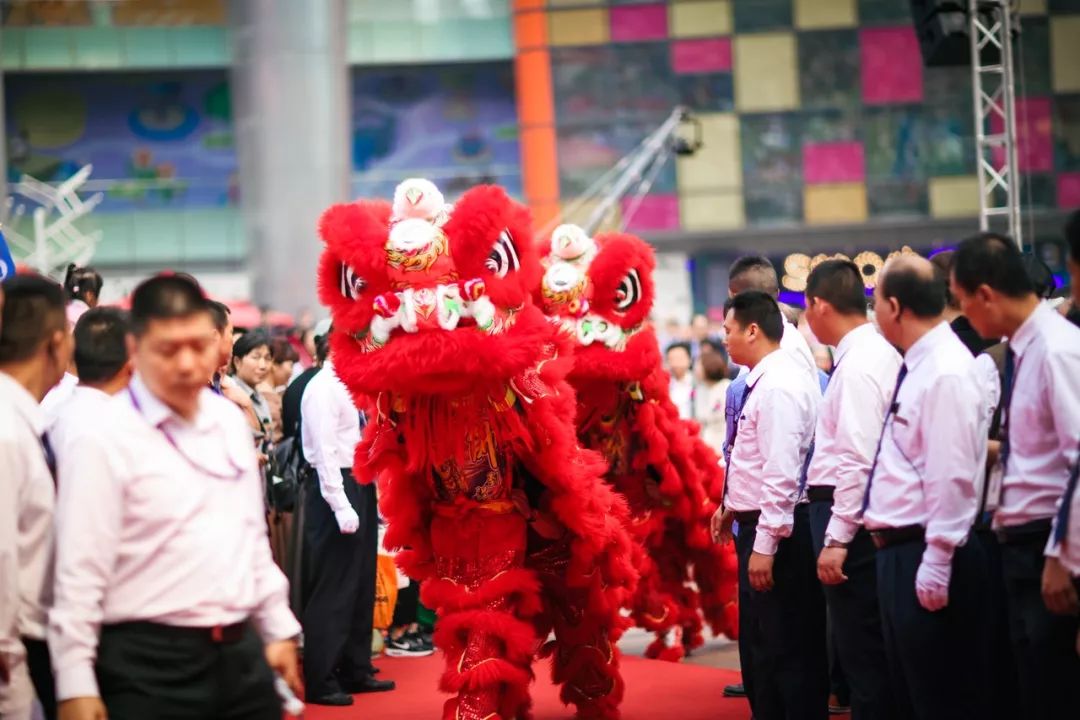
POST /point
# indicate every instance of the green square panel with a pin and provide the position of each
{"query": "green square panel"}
(897, 198)
(829, 69)
(98, 47)
(159, 236)
(580, 78)
(146, 47)
(201, 46)
(1032, 58)
(877, 12)
(117, 236)
(12, 48)
(359, 49)
(760, 15)
(396, 41)
(213, 234)
(1067, 133)
(829, 126)
(771, 148)
(48, 48)
(891, 143)
(774, 203)
(447, 40)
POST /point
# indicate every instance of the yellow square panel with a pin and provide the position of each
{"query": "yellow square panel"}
(1032, 7)
(954, 196)
(765, 72)
(1065, 52)
(707, 18)
(712, 211)
(834, 204)
(814, 14)
(579, 27)
(718, 164)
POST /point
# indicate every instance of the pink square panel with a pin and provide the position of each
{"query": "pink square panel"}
(639, 22)
(707, 55)
(1068, 190)
(656, 212)
(833, 162)
(891, 65)
(1034, 135)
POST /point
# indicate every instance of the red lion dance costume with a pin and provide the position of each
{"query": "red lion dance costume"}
(488, 495)
(601, 293)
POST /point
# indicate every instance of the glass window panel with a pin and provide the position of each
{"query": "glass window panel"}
(771, 148)
(586, 152)
(891, 142)
(581, 79)
(897, 198)
(710, 92)
(829, 68)
(644, 84)
(774, 203)
(1032, 57)
(830, 126)
(1067, 132)
(873, 12)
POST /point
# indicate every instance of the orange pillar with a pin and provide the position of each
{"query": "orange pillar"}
(536, 110)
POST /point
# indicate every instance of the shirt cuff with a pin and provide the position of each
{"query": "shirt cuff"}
(277, 625)
(764, 543)
(1053, 549)
(841, 529)
(938, 554)
(76, 681)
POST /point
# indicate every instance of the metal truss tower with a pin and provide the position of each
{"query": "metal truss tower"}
(990, 26)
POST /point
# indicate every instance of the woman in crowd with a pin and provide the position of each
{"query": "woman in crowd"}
(251, 363)
(284, 358)
(82, 288)
(710, 402)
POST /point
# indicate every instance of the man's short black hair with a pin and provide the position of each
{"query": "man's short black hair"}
(943, 263)
(754, 307)
(923, 295)
(164, 297)
(679, 345)
(33, 311)
(839, 283)
(322, 347)
(758, 270)
(220, 312)
(715, 343)
(1072, 236)
(101, 344)
(992, 260)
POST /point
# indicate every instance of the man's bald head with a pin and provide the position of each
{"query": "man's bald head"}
(911, 281)
(753, 272)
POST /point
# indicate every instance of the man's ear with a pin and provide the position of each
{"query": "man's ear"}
(985, 293)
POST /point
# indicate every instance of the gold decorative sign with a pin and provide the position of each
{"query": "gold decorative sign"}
(797, 266)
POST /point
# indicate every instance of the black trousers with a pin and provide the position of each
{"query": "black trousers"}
(937, 660)
(340, 606)
(154, 671)
(41, 675)
(407, 609)
(1044, 644)
(1002, 685)
(856, 621)
(782, 631)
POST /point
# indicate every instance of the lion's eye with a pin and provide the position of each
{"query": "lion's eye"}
(503, 258)
(629, 291)
(352, 285)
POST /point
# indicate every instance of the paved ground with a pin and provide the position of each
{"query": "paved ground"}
(718, 652)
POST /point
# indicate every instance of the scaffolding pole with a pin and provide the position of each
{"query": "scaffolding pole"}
(990, 25)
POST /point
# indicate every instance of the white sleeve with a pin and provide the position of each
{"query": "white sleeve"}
(10, 491)
(319, 411)
(780, 427)
(1062, 392)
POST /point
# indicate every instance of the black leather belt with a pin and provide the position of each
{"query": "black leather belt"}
(747, 517)
(895, 536)
(218, 634)
(818, 493)
(1035, 531)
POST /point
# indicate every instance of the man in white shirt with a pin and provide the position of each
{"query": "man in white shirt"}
(341, 545)
(848, 425)
(921, 500)
(101, 358)
(682, 388)
(1041, 434)
(167, 600)
(781, 607)
(35, 349)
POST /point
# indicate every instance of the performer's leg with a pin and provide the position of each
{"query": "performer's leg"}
(585, 659)
(484, 599)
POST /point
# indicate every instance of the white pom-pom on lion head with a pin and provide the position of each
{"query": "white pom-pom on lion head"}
(417, 198)
(572, 244)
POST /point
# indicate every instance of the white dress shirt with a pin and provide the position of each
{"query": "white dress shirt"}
(80, 411)
(683, 394)
(57, 397)
(330, 430)
(1069, 551)
(1044, 425)
(160, 519)
(776, 428)
(986, 375)
(26, 536)
(849, 424)
(933, 450)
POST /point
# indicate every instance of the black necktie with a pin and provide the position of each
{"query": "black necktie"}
(1006, 402)
(877, 453)
(50, 456)
(1062, 526)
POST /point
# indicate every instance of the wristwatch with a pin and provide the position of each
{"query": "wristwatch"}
(832, 543)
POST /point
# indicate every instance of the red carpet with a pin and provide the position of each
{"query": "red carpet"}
(654, 690)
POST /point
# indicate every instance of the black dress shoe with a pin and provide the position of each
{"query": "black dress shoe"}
(735, 690)
(367, 685)
(338, 699)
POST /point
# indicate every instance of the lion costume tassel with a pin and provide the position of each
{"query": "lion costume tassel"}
(490, 499)
(599, 293)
